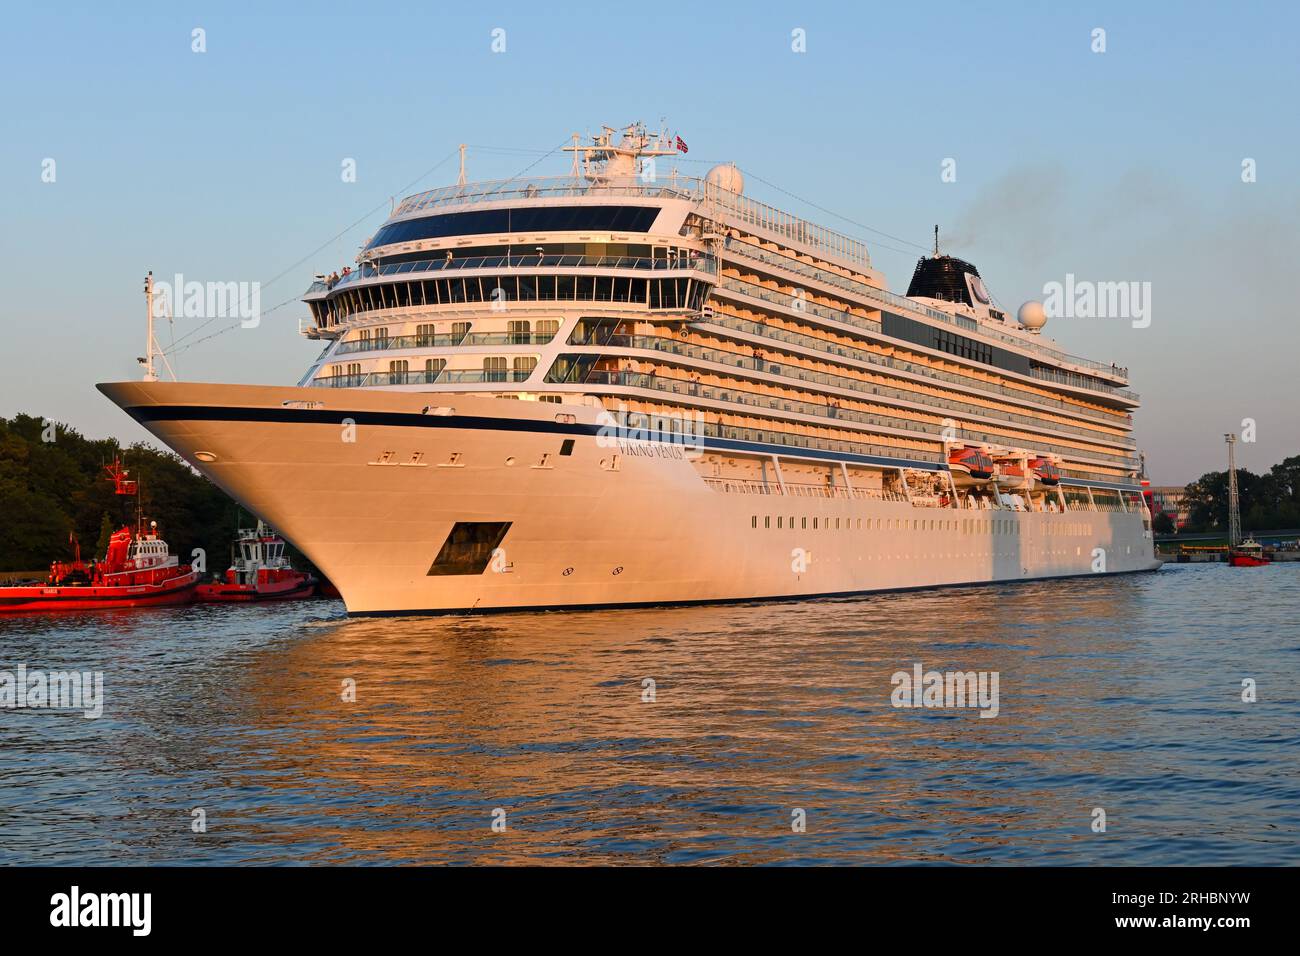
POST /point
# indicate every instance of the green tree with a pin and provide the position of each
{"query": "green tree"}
(48, 489)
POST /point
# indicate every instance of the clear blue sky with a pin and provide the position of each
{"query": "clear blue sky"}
(225, 165)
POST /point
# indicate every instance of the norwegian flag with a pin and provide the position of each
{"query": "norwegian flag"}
(681, 145)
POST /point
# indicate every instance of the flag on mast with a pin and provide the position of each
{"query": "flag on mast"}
(681, 145)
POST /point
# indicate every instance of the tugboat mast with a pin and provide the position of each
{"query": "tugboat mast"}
(1234, 506)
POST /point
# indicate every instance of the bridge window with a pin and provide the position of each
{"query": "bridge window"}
(532, 219)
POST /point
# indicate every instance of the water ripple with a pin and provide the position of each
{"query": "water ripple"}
(1121, 694)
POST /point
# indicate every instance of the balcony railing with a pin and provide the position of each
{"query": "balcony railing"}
(1020, 396)
(699, 263)
(793, 303)
(829, 416)
(865, 391)
(443, 340)
(443, 377)
(750, 486)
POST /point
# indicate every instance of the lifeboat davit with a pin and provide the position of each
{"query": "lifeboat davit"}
(970, 466)
(1012, 474)
(261, 572)
(1046, 472)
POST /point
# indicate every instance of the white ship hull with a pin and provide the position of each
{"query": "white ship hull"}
(368, 485)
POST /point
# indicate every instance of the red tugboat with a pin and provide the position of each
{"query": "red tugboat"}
(261, 572)
(1248, 554)
(137, 571)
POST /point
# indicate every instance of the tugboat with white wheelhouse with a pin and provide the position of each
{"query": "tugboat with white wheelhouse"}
(137, 570)
(261, 572)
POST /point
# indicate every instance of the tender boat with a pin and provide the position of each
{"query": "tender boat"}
(261, 572)
(138, 570)
(1045, 471)
(970, 466)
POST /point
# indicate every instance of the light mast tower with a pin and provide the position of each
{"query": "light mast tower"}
(1234, 506)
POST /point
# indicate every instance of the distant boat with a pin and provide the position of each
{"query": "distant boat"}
(1248, 554)
(261, 572)
(138, 570)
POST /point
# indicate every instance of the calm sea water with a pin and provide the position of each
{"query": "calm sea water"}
(1123, 694)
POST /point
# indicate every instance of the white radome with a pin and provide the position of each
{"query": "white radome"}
(726, 176)
(1032, 315)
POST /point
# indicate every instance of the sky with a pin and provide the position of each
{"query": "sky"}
(227, 165)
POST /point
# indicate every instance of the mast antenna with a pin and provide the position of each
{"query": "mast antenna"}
(461, 180)
(149, 374)
(936, 240)
(152, 350)
(1234, 505)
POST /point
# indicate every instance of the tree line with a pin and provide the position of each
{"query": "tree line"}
(52, 484)
(1268, 501)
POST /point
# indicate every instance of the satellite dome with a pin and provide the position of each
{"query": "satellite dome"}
(726, 176)
(1032, 315)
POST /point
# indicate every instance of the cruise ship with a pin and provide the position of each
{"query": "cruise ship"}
(626, 387)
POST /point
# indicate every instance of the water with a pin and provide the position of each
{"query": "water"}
(1121, 693)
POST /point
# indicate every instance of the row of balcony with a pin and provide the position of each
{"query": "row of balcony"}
(865, 390)
(1019, 396)
(831, 414)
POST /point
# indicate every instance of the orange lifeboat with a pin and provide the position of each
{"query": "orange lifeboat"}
(970, 466)
(1046, 472)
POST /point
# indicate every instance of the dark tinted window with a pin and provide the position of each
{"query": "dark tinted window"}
(469, 547)
(532, 219)
(909, 330)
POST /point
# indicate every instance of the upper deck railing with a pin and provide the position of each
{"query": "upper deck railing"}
(744, 209)
(533, 261)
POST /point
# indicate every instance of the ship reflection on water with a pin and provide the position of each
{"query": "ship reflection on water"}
(1121, 694)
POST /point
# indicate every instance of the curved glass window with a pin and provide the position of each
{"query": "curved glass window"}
(528, 219)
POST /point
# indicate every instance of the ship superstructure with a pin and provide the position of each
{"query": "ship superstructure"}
(560, 388)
